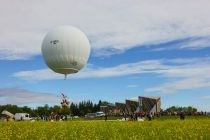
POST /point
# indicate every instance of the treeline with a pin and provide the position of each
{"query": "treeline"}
(176, 109)
(75, 109)
(80, 109)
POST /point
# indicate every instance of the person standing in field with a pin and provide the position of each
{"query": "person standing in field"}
(149, 116)
(125, 116)
(105, 117)
(182, 115)
(136, 116)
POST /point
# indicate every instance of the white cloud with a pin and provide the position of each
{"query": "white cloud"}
(181, 73)
(198, 43)
(188, 83)
(132, 86)
(206, 97)
(193, 43)
(111, 26)
(93, 72)
(191, 74)
(18, 96)
(43, 74)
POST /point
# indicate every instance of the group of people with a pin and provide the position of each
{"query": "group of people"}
(54, 117)
(140, 115)
(148, 116)
(133, 116)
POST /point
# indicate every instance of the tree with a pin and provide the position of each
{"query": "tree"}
(189, 110)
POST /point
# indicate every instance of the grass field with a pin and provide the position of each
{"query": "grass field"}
(165, 128)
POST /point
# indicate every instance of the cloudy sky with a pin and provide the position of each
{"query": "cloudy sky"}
(139, 47)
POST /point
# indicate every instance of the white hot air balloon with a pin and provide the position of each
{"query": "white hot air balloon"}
(66, 50)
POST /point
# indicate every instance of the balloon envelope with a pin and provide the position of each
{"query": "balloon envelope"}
(66, 49)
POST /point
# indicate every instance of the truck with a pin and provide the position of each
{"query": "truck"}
(22, 117)
(17, 117)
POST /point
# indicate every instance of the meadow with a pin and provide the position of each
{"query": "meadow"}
(164, 128)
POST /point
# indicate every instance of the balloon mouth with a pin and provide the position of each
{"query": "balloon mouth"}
(65, 71)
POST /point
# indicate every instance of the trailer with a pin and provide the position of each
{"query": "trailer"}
(8, 116)
(17, 117)
(22, 117)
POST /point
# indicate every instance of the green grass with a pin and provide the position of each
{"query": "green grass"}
(164, 128)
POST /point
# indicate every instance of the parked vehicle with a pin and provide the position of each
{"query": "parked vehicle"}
(94, 115)
(75, 117)
(18, 116)
(100, 114)
(90, 115)
(22, 117)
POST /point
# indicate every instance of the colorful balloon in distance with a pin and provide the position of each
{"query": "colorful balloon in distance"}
(66, 50)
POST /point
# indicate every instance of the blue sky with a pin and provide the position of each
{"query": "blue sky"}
(147, 48)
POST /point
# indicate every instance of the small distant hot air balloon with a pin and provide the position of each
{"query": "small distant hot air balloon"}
(66, 50)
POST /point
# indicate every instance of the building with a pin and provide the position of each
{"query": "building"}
(149, 104)
(120, 108)
(108, 109)
(132, 105)
(146, 104)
